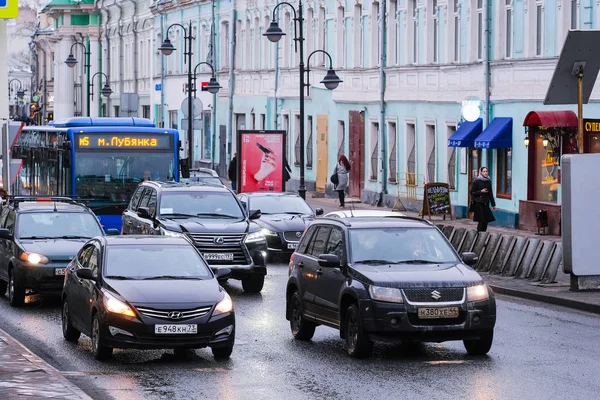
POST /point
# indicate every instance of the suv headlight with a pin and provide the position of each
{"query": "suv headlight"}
(224, 306)
(255, 237)
(34, 258)
(477, 293)
(390, 295)
(167, 232)
(268, 232)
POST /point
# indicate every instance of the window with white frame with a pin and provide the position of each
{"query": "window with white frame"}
(287, 43)
(239, 37)
(269, 48)
(392, 136)
(508, 12)
(257, 55)
(456, 12)
(322, 35)
(340, 57)
(436, 42)
(451, 159)
(430, 152)
(309, 143)
(310, 30)
(374, 136)
(297, 139)
(539, 31)
(392, 23)
(574, 14)
(415, 32)
(341, 137)
(411, 155)
(252, 121)
(375, 34)
(480, 30)
(248, 45)
(286, 128)
(358, 35)
(224, 47)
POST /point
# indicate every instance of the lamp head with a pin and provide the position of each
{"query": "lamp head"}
(526, 141)
(20, 93)
(545, 142)
(106, 90)
(331, 80)
(167, 47)
(213, 86)
(71, 61)
(274, 32)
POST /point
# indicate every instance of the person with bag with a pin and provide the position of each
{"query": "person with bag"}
(481, 198)
(339, 178)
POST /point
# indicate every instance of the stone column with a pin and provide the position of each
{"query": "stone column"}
(95, 67)
(63, 81)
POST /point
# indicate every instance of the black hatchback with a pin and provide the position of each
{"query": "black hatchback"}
(146, 292)
(387, 279)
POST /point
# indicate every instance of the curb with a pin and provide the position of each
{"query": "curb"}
(43, 365)
(559, 301)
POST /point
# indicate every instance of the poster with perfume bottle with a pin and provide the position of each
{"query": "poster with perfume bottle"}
(260, 161)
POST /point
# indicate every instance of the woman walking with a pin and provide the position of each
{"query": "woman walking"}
(482, 196)
(342, 169)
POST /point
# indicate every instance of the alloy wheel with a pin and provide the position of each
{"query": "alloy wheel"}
(95, 335)
(296, 314)
(65, 317)
(352, 331)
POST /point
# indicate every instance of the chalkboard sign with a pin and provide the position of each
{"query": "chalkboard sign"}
(436, 200)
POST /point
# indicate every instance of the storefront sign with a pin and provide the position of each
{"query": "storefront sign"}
(436, 200)
(260, 161)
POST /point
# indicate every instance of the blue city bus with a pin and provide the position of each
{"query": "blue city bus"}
(98, 161)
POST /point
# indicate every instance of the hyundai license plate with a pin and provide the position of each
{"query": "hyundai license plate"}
(292, 246)
(218, 256)
(430, 313)
(173, 329)
(59, 271)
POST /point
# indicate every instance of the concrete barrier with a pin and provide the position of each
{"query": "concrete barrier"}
(515, 256)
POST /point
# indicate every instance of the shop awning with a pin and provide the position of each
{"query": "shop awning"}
(465, 134)
(497, 135)
(551, 119)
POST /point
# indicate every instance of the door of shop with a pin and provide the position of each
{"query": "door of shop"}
(322, 147)
(474, 165)
(357, 152)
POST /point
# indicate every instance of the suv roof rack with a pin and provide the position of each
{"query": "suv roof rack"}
(15, 200)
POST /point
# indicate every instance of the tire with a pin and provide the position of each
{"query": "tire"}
(69, 332)
(101, 353)
(16, 294)
(253, 284)
(358, 344)
(222, 353)
(3, 287)
(481, 346)
(301, 328)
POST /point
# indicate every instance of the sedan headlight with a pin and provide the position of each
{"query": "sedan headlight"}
(255, 237)
(116, 306)
(477, 293)
(167, 232)
(390, 295)
(224, 306)
(268, 232)
(34, 258)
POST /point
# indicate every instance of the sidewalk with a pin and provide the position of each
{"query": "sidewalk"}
(25, 375)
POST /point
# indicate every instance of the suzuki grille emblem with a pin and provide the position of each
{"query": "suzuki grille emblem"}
(175, 315)
(218, 240)
(298, 234)
(436, 295)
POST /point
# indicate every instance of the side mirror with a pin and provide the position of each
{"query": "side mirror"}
(112, 232)
(5, 234)
(86, 273)
(222, 274)
(470, 258)
(143, 212)
(319, 211)
(254, 214)
(329, 261)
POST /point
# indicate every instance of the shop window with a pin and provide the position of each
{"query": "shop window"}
(546, 172)
(504, 173)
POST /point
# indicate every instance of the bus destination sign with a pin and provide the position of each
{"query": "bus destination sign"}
(123, 141)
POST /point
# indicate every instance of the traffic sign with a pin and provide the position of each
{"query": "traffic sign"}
(9, 9)
(197, 107)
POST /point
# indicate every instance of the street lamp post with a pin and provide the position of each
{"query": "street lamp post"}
(106, 91)
(331, 80)
(167, 49)
(20, 92)
(71, 61)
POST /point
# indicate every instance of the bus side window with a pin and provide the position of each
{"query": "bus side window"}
(135, 199)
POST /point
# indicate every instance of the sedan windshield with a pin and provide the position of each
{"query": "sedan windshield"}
(200, 204)
(280, 205)
(154, 262)
(400, 245)
(44, 225)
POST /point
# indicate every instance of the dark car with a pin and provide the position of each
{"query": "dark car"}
(128, 292)
(387, 279)
(203, 175)
(38, 238)
(284, 217)
(211, 216)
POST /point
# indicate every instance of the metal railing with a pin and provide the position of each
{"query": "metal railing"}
(410, 187)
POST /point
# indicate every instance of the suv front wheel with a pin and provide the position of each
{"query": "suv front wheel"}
(481, 346)
(357, 341)
(16, 294)
(253, 284)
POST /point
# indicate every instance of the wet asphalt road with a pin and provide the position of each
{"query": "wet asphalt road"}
(540, 352)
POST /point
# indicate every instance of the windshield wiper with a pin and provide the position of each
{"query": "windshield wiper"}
(170, 277)
(376, 262)
(119, 277)
(420, 262)
(177, 215)
(72, 237)
(37, 237)
(215, 215)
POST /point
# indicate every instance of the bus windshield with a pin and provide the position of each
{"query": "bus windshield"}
(115, 174)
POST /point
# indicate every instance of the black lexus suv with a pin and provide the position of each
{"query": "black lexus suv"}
(387, 279)
(211, 216)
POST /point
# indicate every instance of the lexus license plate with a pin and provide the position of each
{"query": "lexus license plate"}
(59, 271)
(292, 246)
(430, 313)
(218, 256)
(176, 329)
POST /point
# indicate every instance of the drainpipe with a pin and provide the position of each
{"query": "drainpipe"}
(213, 114)
(106, 17)
(135, 44)
(486, 61)
(382, 128)
(231, 81)
(45, 100)
(161, 114)
(276, 113)
(100, 101)
(120, 31)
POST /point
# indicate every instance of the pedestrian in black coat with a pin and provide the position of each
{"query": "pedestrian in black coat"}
(232, 171)
(481, 198)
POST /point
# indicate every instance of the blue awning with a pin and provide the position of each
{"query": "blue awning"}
(465, 134)
(498, 135)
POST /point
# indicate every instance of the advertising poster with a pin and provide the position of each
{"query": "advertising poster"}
(261, 161)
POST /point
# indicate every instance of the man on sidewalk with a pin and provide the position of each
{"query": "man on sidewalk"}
(232, 171)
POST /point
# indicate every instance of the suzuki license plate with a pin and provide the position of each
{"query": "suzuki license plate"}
(176, 329)
(218, 256)
(446, 312)
(59, 271)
